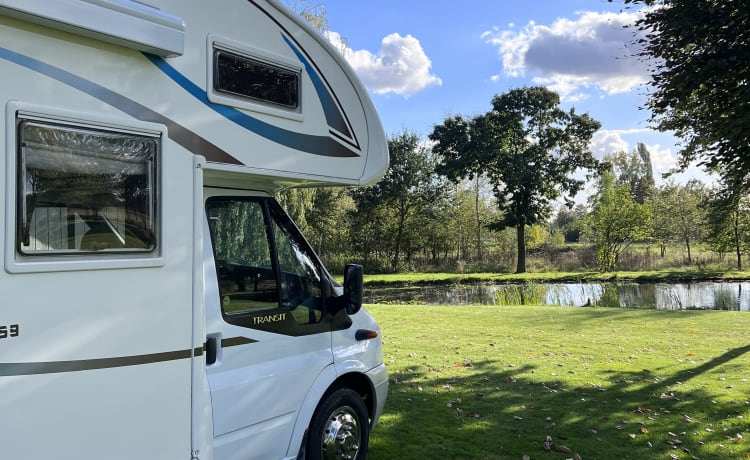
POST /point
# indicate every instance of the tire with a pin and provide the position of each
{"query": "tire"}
(340, 428)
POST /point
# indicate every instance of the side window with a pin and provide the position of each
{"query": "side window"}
(247, 279)
(85, 190)
(252, 277)
(300, 286)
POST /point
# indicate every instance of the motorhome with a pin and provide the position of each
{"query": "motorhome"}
(157, 302)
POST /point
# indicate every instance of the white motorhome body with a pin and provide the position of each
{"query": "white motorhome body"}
(157, 302)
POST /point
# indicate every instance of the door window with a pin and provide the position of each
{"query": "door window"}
(300, 274)
(263, 264)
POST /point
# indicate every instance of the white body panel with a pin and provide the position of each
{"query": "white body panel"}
(109, 356)
(103, 355)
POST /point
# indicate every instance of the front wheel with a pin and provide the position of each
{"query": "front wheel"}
(339, 429)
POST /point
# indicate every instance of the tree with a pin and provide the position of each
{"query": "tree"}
(679, 214)
(527, 147)
(569, 221)
(616, 221)
(700, 76)
(728, 211)
(634, 169)
(314, 14)
(409, 185)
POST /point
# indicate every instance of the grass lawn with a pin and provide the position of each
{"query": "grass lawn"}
(491, 382)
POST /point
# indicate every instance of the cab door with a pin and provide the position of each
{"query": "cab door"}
(269, 335)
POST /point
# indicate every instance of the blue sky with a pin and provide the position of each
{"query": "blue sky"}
(423, 61)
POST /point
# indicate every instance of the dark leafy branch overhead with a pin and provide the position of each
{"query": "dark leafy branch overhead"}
(700, 72)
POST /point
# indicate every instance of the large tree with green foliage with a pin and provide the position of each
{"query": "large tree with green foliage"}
(728, 216)
(529, 149)
(408, 187)
(700, 74)
(679, 214)
(616, 221)
(635, 170)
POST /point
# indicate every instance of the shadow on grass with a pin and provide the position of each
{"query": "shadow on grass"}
(486, 410)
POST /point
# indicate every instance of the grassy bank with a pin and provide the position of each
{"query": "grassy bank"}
(550, 382)
(639, 276)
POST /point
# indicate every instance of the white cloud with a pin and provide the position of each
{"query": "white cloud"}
(401, 66)
(662, 158)
(594, 50)
(606, 142)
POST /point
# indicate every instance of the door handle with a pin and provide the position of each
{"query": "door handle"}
(212, 349)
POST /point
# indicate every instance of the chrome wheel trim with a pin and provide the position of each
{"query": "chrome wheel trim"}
(342, 435)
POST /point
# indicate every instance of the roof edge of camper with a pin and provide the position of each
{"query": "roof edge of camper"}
(373, 169)
(121, 22)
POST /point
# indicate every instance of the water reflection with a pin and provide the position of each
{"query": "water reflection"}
(673, 296)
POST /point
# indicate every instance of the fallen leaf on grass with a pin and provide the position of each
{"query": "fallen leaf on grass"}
(547, 444)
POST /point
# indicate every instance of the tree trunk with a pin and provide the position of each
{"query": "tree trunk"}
(737, 241)
(479, 220)
(399, 235)
(521, 237)
(687, 243)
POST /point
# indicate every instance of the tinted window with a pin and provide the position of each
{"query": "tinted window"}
(85, 190)
(247, 279)
(245, 77)
(262, 262)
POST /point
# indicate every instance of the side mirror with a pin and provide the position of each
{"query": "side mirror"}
(353, 288)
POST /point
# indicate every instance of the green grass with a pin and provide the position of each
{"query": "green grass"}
(486, 382)
(686, 274)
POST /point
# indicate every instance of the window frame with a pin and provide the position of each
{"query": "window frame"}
(289, 326)
(18, 262)
(217, 43)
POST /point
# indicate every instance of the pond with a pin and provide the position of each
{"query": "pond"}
(704, 295)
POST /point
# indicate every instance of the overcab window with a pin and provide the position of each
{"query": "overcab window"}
(256, 80)
(85, 190)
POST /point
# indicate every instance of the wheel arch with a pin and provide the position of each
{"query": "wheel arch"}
(357, 381)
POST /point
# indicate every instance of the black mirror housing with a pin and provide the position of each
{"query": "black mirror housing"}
(353, 274)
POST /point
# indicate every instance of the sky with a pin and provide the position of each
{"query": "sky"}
(423, 61)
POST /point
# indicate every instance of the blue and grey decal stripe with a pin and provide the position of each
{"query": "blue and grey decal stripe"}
(335, 114)
(317, 145)
(57, 367)
(183, 136)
